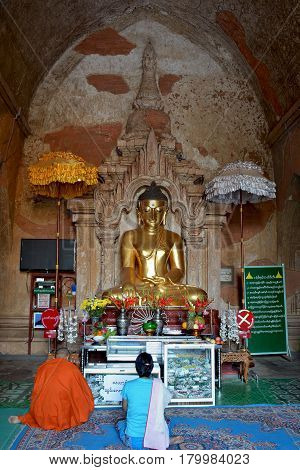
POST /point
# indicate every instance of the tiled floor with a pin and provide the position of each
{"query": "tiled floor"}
(264, 392)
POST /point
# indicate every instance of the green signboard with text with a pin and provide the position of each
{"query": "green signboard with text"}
(265, 297)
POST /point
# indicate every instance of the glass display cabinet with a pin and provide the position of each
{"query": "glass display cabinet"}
(127, 348)
(189, 374)
(107, 380)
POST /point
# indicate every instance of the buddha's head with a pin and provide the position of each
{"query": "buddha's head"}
(152, 207)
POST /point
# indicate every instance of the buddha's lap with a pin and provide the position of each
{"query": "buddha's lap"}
(177, 291)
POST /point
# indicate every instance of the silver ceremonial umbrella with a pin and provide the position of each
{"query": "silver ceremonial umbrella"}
(239, 183)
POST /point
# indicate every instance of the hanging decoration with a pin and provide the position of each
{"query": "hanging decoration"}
(68, 326)
(229, 328)
(84, 319)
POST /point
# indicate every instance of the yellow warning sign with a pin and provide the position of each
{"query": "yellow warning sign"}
(278, 275)
(249, 276)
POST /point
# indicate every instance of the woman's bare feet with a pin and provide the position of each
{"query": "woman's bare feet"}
(13, 420)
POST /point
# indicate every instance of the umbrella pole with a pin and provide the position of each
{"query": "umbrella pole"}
(242, 246)
(243, 344)
(57, 250)
(57, 261)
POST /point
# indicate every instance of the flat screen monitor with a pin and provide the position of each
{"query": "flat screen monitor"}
(40, 255)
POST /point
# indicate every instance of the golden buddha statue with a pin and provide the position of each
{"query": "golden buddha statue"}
(152, 258)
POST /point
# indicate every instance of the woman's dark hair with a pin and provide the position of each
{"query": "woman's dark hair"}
(144, 364)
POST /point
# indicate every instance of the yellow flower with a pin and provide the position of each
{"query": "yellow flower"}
(94, 305)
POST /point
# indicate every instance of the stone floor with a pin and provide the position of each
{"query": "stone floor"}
(277, 366)
(19, 368)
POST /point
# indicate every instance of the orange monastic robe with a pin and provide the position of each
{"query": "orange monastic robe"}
(60, 399)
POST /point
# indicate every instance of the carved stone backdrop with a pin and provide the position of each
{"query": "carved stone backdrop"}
(146, 152)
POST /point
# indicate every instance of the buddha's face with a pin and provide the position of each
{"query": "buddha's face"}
(152, 213)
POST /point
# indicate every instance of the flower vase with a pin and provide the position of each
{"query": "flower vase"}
(159, 322)
(94, 320)
(122, 323)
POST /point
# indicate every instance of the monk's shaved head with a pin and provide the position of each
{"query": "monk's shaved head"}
(62, 353)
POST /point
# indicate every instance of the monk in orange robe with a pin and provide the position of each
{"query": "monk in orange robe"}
(61, 397)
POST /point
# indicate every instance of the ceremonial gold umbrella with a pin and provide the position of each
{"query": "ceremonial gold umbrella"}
(61, 175)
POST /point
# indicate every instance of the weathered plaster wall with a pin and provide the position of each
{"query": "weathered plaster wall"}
(11, 143)
(263, 34)
(260, 244)
(214, 111)
(287, 174)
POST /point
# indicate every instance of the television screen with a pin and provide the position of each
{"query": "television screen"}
(40, 255)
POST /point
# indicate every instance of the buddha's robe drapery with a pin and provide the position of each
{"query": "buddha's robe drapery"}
(60, 399)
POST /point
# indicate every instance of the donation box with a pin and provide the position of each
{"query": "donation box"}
(189, 374)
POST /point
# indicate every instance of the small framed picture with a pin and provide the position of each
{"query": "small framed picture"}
(37, 320)
(43, 300)
(227, 275)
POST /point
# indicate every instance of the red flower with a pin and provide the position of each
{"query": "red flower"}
(200, 304)
(130, 302)
(163, 301)
(125, 302)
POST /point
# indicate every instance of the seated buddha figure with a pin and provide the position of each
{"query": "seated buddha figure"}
(152, 258)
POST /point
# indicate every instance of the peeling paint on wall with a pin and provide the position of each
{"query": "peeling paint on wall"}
(105, 42)
(110, 83)
(93, 143)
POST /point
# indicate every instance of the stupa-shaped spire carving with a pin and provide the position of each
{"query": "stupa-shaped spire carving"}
(148, 96)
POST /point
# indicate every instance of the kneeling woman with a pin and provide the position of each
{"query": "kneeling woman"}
(144, 401)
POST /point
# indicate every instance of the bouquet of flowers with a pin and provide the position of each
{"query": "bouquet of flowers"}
(126, 302)
(94, 306)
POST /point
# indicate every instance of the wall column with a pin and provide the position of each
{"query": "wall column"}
(196, 257)
(215, 219)
(87, 248)
(107, 239)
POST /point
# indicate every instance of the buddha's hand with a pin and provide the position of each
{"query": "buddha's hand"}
(156, 280)
(128, 290)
